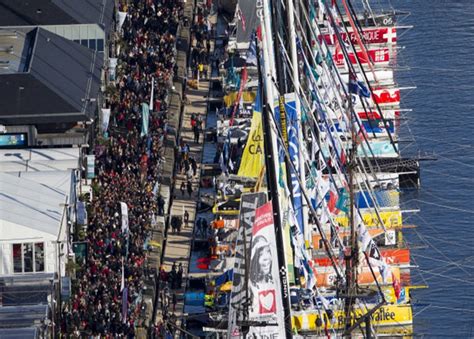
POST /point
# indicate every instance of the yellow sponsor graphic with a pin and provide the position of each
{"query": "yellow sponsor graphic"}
(390, 219)
(400, 316)
(247, 97)
(253, 158)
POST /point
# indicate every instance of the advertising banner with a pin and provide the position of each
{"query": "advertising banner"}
(264, 279)
(239, 291)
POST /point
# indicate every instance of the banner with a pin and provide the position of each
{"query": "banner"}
(145, 119)
(124, 210)
(253, 157)
(264, 282)
(105, 119)
(121, 20)
(112, 68)
(239, 292)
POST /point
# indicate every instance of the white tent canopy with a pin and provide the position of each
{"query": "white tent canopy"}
(38, 160)
(29, 210)
(58, 180)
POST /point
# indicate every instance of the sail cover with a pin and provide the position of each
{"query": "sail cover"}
(239, 292)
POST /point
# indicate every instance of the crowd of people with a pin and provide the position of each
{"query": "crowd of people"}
(127, 169)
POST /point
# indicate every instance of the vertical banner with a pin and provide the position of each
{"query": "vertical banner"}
(145, 119)
(105, 119)
(264, 282)
(293, 149)
(239, 292)
(124, 210)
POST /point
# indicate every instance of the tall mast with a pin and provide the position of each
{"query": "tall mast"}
(271, 152)
(353, 255)
(296, 82)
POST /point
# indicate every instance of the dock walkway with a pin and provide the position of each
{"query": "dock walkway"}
(177, 248)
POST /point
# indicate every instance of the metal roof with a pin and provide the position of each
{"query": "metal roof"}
(57, 12)
(60, 85)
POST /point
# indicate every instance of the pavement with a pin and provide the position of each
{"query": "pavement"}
(177, 247)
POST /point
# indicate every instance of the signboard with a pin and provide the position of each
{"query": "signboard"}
(13, 140)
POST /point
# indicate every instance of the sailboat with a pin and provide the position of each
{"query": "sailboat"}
(319, 244)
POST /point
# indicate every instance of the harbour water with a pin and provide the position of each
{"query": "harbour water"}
(440, 52)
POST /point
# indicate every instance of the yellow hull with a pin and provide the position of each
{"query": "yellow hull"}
(391, 219)
(387, 319)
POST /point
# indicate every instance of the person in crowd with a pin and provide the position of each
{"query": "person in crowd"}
(127, 167)
(186, 218)
(179, 277)
(190, 188)
(161, 205)
(174, 301)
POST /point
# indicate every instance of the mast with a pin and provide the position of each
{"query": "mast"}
(351, 257)
(296, 83)
(271, 159)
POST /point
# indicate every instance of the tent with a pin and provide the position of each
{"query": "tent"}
(32, 221)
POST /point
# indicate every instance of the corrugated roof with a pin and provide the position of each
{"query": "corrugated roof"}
(89, 11)
(70, 70)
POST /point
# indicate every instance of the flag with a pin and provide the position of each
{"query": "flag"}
(333, 196)
(342, 201)
(364, 236)
(357, 87)
(396, 286)
(252, 52)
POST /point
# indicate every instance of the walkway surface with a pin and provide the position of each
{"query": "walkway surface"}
(178, 246)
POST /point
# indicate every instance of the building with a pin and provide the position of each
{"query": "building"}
(57, 12)
(46, 82)
(38, 208)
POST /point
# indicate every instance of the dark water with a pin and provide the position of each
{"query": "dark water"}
(440, 50)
